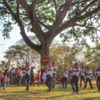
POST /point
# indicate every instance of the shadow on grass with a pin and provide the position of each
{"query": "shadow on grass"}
(94, 98)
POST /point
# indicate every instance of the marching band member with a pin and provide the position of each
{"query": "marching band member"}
(54, 70)
(89, 76)
(75, 77)
(82, 75)
(65, 79)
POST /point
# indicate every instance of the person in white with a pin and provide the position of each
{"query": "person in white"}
(89, 77)
(65, 79)
(75, 77)
(54, 68)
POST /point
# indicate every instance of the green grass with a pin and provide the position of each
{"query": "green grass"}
(40, 93)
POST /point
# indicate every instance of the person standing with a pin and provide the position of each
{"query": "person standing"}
(44, 77)
(54, 70)
(98, 78)
(19, 76)
(75, 77)
(65, 79)
(4, 80)
(89, 77)
(82, 75)
(49, 78)
(27, 75)
(32, 75)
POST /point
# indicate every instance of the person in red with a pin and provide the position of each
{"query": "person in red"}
(4, 80)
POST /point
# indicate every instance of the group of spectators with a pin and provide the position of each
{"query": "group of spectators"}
(17, 76)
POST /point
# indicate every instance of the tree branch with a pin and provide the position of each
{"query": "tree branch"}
(91, 3)
(83, 25)
(55, 4)
(76, 18)
(33, 6)
(48, 27)
(59, 19)
(17, 9)
(24, 4)
(31, 12)
(23, 33)
(61, 15)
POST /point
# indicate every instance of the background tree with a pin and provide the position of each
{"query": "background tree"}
(20, 54)
(48, 18)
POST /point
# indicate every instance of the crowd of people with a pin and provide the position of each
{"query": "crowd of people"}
(75, 76)
(17, 76)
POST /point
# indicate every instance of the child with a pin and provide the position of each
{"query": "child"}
(4, 80)
(44, 77)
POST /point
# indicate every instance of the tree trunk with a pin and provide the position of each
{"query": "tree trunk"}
(44, 53)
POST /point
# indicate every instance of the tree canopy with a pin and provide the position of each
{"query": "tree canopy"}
(48, 18)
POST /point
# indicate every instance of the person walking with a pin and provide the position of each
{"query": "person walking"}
(98, 78)
(27, 75)
(4, 80)
(54, 70)
(49, 78)
(82, 75)
(89, 77)
(65, 79)
(75, 77)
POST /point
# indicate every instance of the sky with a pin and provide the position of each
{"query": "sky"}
(6, 43)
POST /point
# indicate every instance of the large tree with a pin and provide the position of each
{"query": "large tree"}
(48, 18)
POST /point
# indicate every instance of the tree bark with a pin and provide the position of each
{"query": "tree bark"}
(44, 53)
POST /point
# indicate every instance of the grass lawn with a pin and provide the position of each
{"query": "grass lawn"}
(40, 93)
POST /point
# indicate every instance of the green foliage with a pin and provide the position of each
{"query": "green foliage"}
(7, 28)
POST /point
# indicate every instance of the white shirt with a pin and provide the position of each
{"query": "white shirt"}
(83, 71)
(49, 72)
(65, 75)
(98, 73)
(75, 71)
(54, 69)
(89, 74)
